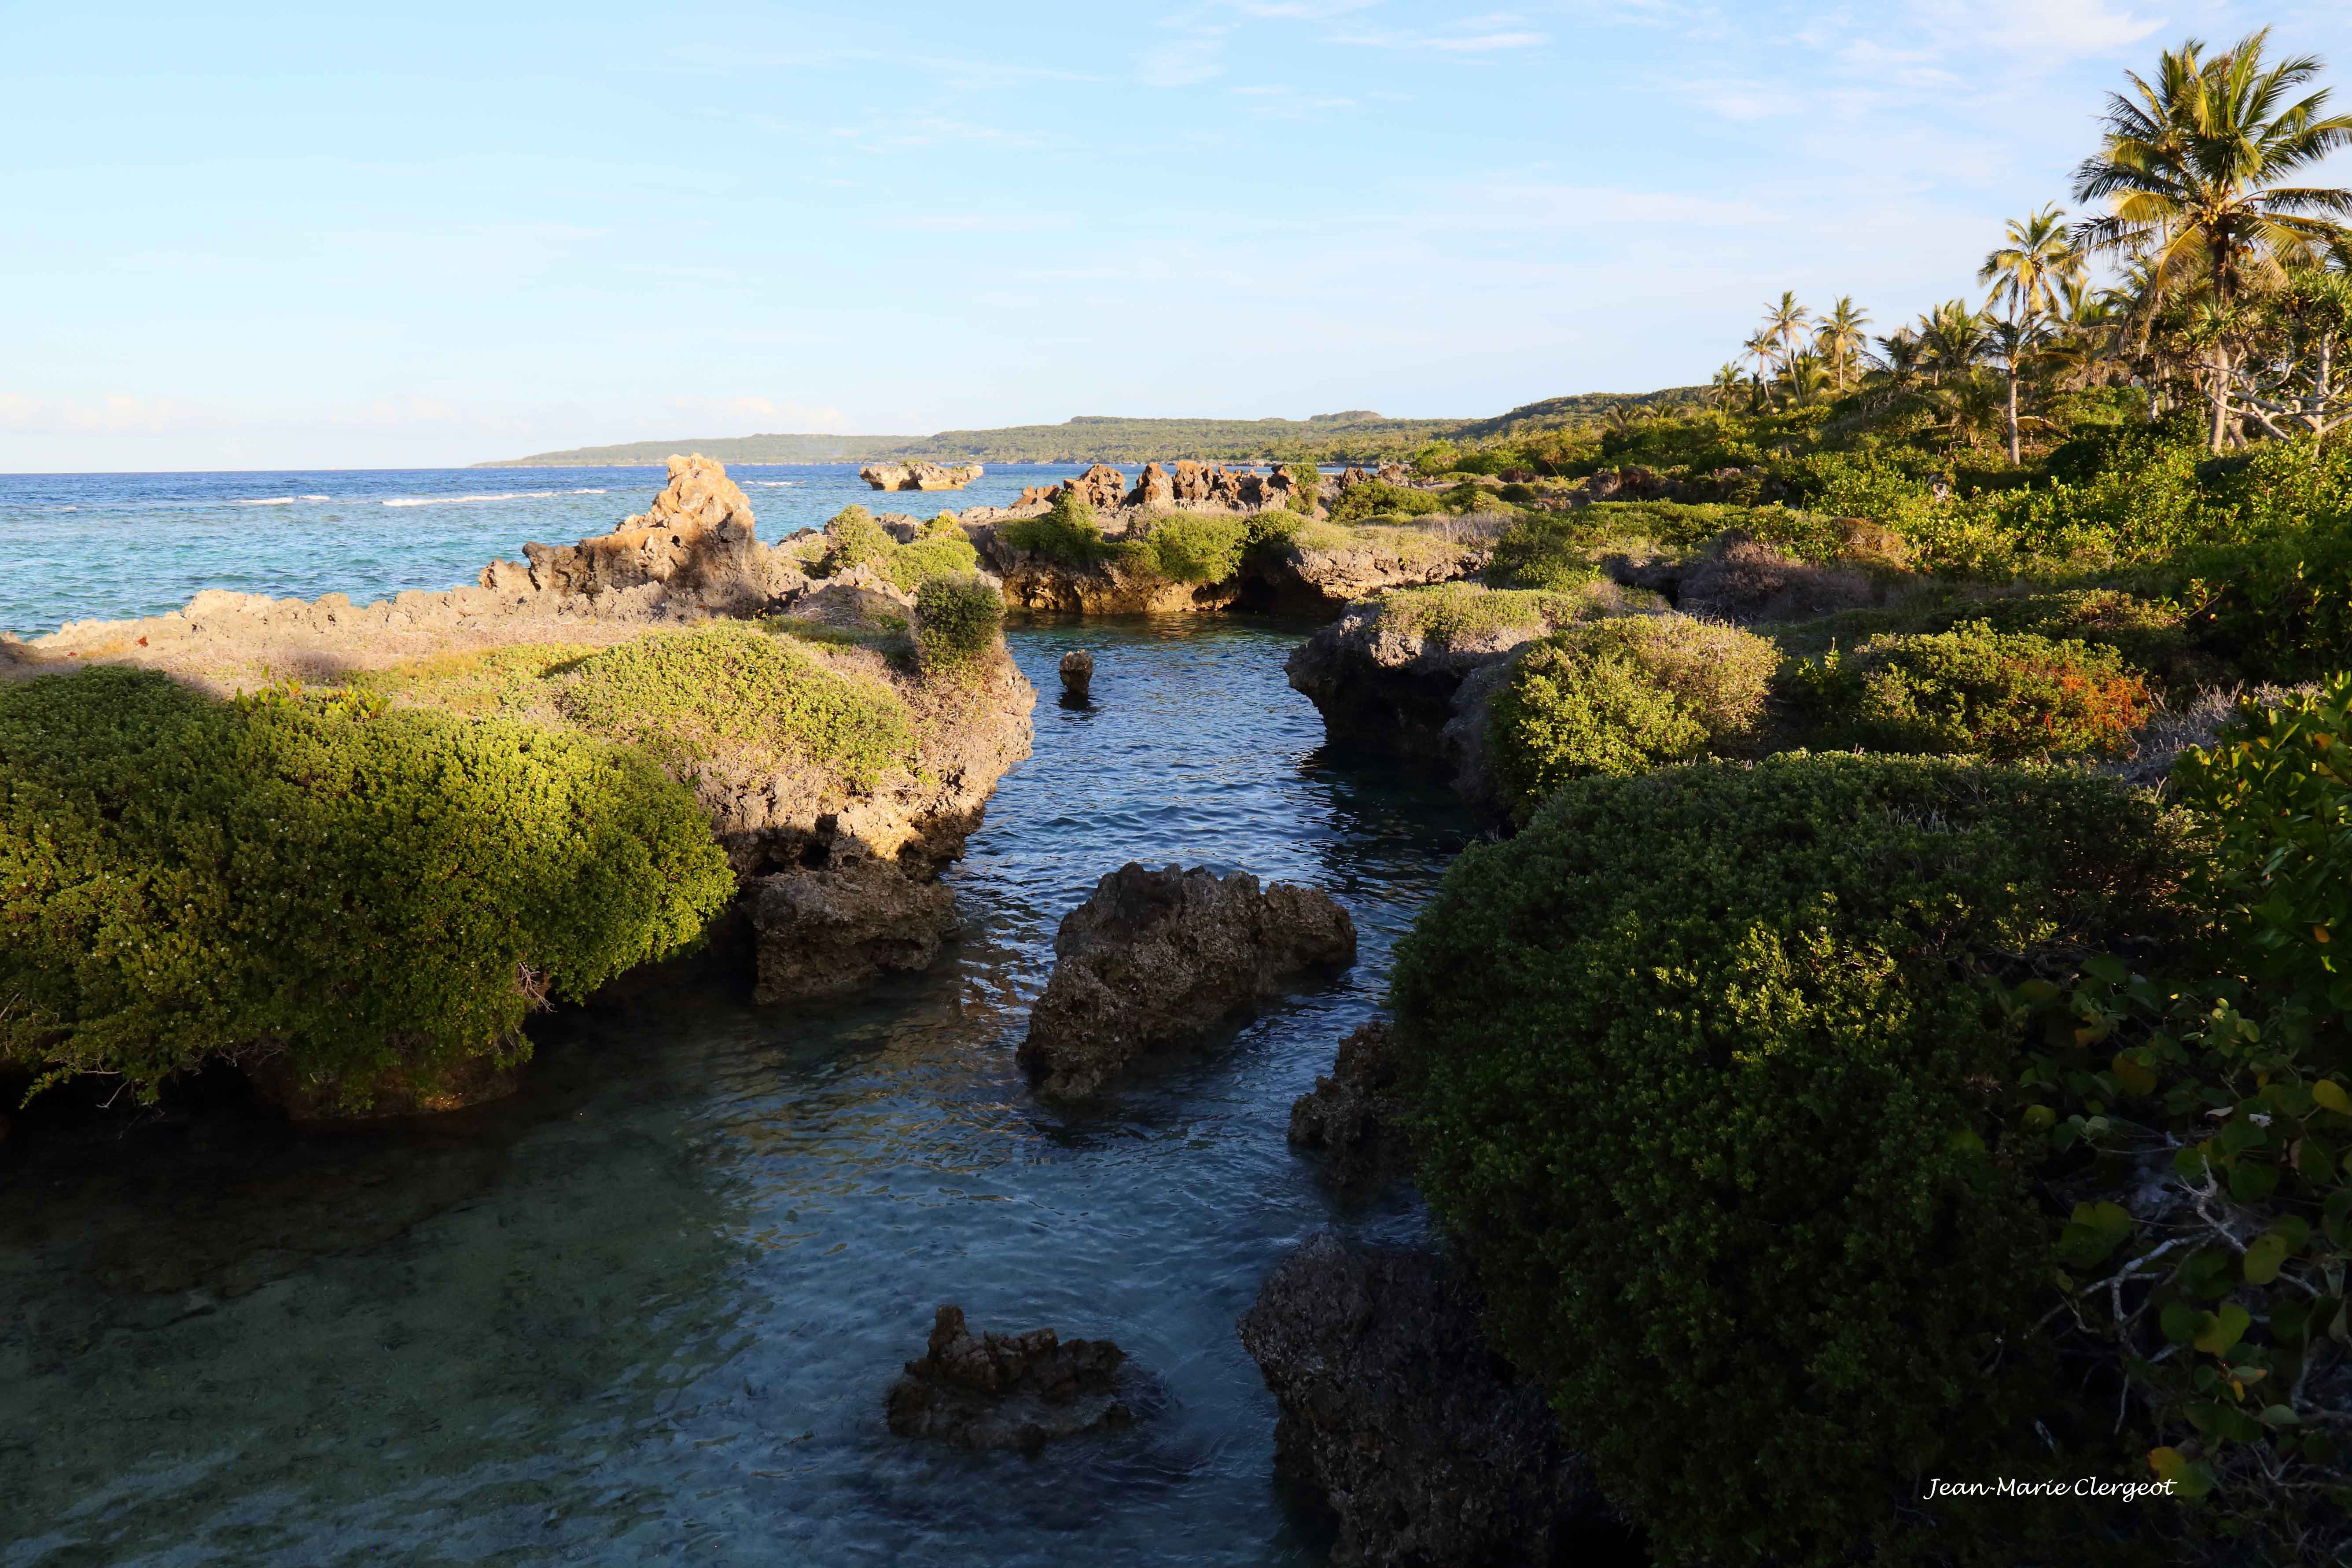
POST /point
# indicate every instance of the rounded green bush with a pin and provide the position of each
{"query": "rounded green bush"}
(1623, 695)
(957, 620)
(853, 538)
(357, 886)
(727, 692)
(1193, 547)
(1066, 532)
(1702, 1076)
(1377, 498)
(1977, 691)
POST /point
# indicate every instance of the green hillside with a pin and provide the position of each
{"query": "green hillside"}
(1354, 434)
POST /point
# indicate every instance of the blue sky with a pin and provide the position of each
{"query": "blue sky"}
(245, 236)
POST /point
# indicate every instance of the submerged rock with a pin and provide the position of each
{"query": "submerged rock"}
(918, 476)
(1398, 1418)
(1077, 674)
(1155, 956)
(1352, 1118)
(1006, 1391)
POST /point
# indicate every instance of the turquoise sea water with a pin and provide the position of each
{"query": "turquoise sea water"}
(108, 546)
(646, 1311)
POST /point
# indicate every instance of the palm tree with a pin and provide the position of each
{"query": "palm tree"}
(1725, 385)
(1784, 324)
(1839, 339)
(2028, 271)
(1952, 338)
(2014, 342)
(1805, 379)
(2193, 170)
(1902, 353)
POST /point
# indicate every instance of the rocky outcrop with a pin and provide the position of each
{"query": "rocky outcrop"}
(1410, 1430)
(694, 544)
(1352, 1119)
(1318, 575)
(1007, 1390)
(1153, 957)
(918, 476)
(840, 892)
(1386, 473)
(1114, 586)
(1077, 671)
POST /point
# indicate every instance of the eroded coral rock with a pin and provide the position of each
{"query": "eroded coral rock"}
(836, 929)
(1077, 669)
(1352, 1118)
(1398, 1416)
(695, 541)
(919, 475)
(1154, 956)
(1007, 1390)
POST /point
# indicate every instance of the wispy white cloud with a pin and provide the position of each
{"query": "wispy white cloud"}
(2040, 28)
(1458, 43)
(1187, 62)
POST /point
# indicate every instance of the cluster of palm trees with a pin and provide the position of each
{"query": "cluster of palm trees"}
(2229, 285)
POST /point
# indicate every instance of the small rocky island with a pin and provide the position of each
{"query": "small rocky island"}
(1007, 1390)
(1154, 957)
(919, 475)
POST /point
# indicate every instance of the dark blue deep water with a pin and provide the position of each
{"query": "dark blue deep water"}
(646, 1311)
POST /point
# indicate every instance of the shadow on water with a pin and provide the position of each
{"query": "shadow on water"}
(650, 1305)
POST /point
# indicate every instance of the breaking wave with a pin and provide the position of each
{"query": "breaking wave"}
(502, 495)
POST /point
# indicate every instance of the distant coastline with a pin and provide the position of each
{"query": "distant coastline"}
(1099, 439)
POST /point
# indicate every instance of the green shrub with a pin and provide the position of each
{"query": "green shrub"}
(1701, 1077)
(957, 620)
(1067, 532)
(1460, 615)
(852, 537)
(1975, 690)
(1377, 498)
(361, 887)
(1467, 496)
(2221, 1082)
(1621, 696)
(1305, 487)
(1194, 547)
(935, 555)
(2148, 635)
(728, 692)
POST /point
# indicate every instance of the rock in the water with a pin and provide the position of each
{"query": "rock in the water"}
(1077, 673)
(1006, 1391)
(1410, 1429)
(1351, 1117)
(837, 928)
(918, 476)
(1154, 956)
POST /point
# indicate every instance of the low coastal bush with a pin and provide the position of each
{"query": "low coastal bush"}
(957, 619)
(853, 538)
(1462, 615)
(1621, 696)
(1377, 498)
(1703, 1073)
(1195, 547)
(1066, 532)
(361, 888)
(727, 692)
(1305, 487)
(1977, 691)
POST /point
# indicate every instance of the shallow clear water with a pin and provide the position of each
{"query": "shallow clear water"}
(111, 546)
(647, 1309)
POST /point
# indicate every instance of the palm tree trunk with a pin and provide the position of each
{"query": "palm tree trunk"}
(2012, 416)
(2220, 369)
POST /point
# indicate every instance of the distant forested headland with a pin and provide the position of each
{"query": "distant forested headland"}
(1353, 435)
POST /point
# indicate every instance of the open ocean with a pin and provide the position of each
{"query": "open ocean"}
(112, 546)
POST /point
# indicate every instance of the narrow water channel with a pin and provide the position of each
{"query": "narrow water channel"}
(646, 1311)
